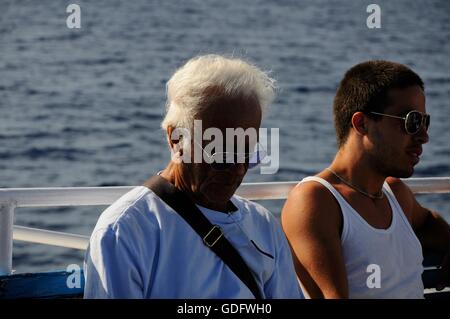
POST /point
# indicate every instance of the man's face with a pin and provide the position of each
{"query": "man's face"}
(214, 186)
(393, 151)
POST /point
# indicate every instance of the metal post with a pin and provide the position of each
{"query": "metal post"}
(6, 235)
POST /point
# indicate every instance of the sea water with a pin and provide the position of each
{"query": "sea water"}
(82, 107)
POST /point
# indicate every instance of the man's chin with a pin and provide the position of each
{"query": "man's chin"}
(403, 173)
(220, 195)
(223, 197)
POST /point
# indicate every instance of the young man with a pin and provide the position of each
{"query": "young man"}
(143, 246)
(356, 218)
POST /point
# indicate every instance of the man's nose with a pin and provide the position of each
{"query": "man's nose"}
(422, 135)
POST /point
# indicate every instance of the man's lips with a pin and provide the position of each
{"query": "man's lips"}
(415, 152)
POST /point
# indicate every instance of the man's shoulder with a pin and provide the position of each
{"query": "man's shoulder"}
(403, 195)
(402, 192)
(311, 205)
(132, 209)
(399, 188)
(312, 193)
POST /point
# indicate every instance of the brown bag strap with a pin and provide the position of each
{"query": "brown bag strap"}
(211, 235)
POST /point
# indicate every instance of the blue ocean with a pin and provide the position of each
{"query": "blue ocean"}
(82, 107)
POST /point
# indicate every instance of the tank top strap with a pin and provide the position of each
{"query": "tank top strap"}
(325, 183)
(398, 212)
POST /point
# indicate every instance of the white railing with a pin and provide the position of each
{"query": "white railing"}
(12, 198)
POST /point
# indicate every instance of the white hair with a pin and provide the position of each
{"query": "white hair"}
(189, 89)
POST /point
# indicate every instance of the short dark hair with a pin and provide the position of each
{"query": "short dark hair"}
(365, 88)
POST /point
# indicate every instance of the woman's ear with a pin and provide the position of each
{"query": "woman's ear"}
(359, 123)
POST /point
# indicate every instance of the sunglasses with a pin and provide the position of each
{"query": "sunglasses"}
(226, 160)
(414, 121)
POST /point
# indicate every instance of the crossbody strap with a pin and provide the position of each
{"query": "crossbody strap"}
(211, 234)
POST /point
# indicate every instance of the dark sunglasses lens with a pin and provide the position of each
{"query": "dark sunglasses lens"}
(226, 161)
(427, 122)
(413, 122)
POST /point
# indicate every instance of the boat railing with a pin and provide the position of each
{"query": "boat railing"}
(13, 198)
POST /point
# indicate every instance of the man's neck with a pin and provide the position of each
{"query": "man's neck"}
(356, 169)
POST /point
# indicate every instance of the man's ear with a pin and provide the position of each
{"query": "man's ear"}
(175, 141)
(359, 123)
(174, 144)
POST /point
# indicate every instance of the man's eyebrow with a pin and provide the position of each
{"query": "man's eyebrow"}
(404, 112)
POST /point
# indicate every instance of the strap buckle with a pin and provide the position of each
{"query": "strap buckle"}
(215, 231)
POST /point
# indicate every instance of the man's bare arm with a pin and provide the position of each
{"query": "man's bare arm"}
(311, 220)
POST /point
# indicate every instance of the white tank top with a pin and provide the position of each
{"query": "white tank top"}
(380, 263)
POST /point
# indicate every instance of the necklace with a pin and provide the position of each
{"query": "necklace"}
(380, 195)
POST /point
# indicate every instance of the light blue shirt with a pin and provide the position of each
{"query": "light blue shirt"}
(141, 248)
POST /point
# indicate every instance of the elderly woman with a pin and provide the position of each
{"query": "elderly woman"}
(184, 234)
